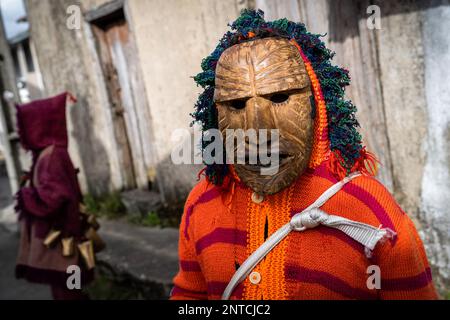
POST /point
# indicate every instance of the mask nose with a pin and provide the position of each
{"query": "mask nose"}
(259, 114)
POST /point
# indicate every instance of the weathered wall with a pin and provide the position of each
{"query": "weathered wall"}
(401, 90)
(434, 209)
(6, 64)
(169, 51)
(68, 61)
(7, 82)
(172, 39)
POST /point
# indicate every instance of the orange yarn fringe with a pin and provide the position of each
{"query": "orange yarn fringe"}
(367, 164)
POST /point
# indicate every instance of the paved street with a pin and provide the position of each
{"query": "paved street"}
(5, 192)
(10, 288)
(127, 244)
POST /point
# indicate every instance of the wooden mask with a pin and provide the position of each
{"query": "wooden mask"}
(263, 84)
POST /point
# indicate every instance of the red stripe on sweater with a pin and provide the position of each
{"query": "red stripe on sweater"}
(328, 281)
(189, 266)
(217, 288)
(205, 197)
(362, 195)
(371, 202)
(408, 283)
(178, 291)
(221, 235)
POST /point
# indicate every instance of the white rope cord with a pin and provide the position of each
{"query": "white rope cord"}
(309, 218)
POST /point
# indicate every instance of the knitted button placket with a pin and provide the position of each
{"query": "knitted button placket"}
(255, 277)
(257, 198)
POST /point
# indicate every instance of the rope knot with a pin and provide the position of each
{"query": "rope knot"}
(308, 220)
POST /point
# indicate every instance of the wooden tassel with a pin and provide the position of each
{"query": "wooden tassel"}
(87, 253)
(51, 237)
(67, 247)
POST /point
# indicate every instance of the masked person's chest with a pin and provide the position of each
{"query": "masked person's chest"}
(299, 262)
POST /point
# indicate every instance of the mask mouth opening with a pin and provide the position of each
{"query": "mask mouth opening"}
(282, 158)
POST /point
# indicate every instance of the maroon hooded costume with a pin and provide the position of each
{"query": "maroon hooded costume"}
(51, 200)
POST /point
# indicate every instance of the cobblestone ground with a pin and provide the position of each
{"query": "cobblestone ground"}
(10, 287)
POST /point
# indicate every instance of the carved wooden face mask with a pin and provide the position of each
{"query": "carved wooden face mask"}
(263, 84)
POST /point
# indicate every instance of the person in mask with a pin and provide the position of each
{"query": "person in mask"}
(54, 241)
(319, 225)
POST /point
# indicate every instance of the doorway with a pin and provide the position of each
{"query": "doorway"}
(120, 65)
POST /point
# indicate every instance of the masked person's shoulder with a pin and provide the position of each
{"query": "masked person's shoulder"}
(371, 185)
(201, 190)
(376, 196)
(199, 199)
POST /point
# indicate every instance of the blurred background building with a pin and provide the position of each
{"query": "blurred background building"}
(130, 63)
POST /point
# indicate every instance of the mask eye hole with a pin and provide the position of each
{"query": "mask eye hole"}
(279, 98)
(238, 104)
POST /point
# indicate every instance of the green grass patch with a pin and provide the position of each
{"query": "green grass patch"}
(109, 205)
(152, 219)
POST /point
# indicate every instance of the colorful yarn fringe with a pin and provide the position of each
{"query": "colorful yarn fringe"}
(336, 137)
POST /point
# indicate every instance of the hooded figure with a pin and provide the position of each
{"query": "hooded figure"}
(313, 228)
(51, 224)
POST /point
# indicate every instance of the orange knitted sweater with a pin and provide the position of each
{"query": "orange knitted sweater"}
(222, 226)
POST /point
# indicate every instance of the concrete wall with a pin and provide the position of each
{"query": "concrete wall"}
(172, 40)
(435, 186)
(7, 83)
(68, 61)
(169, 52)
(32, 78)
